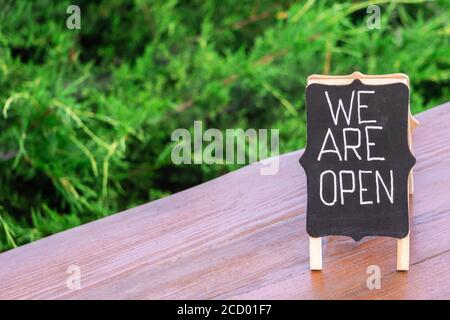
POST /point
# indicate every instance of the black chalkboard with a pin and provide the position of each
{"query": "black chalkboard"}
(357, 160)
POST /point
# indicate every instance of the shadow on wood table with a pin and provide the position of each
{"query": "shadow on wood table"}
(242, 236)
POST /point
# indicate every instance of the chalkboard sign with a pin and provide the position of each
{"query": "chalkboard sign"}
(357, 160)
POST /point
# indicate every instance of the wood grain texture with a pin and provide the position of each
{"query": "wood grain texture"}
(242, 236)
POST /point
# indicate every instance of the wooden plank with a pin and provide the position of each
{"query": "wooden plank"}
(243, 236)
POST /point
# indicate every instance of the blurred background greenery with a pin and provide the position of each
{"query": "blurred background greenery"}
(87, 114)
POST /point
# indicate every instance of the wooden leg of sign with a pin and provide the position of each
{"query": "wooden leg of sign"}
(403, 244)
(411, 183)
(315, 253)
(403, 254)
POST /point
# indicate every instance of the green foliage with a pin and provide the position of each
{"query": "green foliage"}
(87, 114)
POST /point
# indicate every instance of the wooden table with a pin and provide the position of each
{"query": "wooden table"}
(242, 236)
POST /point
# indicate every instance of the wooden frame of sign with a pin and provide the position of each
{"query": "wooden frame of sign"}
(315, 243)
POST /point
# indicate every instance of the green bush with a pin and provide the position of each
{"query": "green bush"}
(87, 114)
